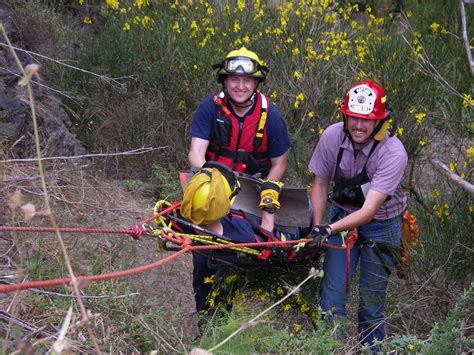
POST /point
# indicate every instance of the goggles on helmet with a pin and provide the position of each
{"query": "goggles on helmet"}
(240, 65)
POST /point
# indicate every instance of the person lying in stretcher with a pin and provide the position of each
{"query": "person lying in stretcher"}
(207, 201)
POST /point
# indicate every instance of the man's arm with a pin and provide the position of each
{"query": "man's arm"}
(276, 173)
(372, 203)
(319, 193)
(197, 152)
(279, 165)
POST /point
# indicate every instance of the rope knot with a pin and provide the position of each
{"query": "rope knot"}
(136, 232)
(186, 242)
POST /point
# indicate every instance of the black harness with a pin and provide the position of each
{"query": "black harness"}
(350, 191)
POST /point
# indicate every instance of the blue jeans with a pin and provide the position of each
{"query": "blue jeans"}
(373, 275)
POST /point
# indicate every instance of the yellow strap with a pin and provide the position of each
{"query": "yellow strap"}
(210, 240)
(261, 124)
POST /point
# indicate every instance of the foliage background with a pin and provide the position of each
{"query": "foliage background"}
(145, 65)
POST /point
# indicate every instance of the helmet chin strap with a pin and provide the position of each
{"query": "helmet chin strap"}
(249, 102)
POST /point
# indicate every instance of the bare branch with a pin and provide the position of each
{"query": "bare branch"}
(103, 77)
(129, 152)
(465, 35)
(452, 176)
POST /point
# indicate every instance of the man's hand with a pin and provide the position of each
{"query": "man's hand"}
(319, 234)
(270, 191)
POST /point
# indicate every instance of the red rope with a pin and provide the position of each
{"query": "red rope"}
(65, 281)
(135, 231)
(351, 240)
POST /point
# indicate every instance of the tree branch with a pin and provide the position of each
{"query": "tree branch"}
(130, 152)
(452, 176)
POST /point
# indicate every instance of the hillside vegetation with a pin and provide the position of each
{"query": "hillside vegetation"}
(130, 74)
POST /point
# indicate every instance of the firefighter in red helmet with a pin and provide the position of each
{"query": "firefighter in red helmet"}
(362, 164)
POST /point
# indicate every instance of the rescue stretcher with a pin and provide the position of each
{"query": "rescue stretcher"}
(282, 247)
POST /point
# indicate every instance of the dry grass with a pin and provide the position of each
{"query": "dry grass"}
(80, 199)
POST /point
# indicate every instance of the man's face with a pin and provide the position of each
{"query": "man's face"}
(360, 129)
(240, 88)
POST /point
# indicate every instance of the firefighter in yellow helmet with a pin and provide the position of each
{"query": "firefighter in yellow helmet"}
(238, 127)
(207, 199)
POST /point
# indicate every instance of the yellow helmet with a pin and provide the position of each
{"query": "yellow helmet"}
(241, 62)
(209, 194)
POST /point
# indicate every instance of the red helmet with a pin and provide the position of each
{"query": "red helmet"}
(365, 100)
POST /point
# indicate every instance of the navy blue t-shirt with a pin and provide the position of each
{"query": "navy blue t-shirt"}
(237, 229)
(278, 139)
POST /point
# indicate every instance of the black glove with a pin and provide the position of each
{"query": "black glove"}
(319, 234)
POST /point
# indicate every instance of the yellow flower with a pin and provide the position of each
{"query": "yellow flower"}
(146, 20)
(419, 117)
(299, 98)
(123, 10)
(295, 51)
(399, 132)
(321, 130)
(181, 104)
(297, 75)
(194, 29)
(452, 166)
(273, 95)
(141, 3)
(467, 100)
(409, 13)
(87, 20)
(126, 26)
(310, 114)
(209, 280)
(236, 26)
(231, 278)
(113, 4)
(280, 291)
(296, 327)
(240, 5)
(246, 39)
(435, 194)
(470, 152)
(471, 208)
(421, 142)
(444, 31)
(337, 101)
(434, 27)
(410, 347)
(175, 27)
(286, 307)
(81, 2)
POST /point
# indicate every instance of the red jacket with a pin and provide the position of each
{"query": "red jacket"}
(241, 145)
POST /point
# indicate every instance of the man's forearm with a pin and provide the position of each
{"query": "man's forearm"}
(279, 165)
(195, 160)
(319, 192)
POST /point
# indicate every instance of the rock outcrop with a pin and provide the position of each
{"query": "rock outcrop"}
(16, 128)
